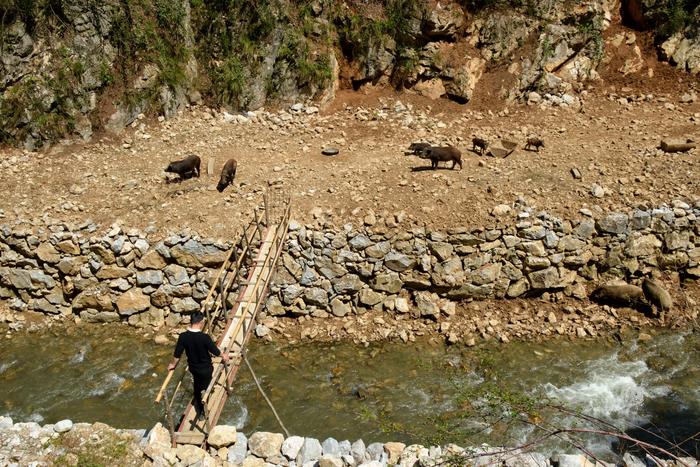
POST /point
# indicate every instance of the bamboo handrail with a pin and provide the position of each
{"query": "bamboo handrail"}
(250, 244)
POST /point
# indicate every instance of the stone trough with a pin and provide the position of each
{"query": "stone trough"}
(505, 149)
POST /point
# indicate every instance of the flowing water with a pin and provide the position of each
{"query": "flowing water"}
(418, 392)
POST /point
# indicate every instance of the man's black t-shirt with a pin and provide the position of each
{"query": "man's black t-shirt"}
(197, 346)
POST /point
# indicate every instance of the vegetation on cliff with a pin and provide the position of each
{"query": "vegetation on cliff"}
(72, 67)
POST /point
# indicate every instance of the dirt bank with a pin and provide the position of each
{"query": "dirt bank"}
(611, 141)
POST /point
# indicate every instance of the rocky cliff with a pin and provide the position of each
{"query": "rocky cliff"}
(71, 67)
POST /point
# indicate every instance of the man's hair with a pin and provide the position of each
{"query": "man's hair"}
(196, 318)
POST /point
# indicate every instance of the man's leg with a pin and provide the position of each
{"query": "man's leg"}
(201, 378)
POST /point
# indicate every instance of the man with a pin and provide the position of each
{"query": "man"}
(198, 346)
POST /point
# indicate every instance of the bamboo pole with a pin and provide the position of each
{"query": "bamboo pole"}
(164, 385)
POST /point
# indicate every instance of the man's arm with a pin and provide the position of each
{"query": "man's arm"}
(173, 363)
(215, 350)
(179, 348)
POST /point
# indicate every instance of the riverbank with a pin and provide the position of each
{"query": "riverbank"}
(66, 443)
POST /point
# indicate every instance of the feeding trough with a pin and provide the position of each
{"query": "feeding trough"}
(503, 150)
(330, 151)
(677, 145)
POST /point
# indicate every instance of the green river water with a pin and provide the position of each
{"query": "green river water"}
(418, 392)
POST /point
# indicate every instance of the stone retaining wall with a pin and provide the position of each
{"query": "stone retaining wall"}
(118, 276)
(383, 268)
(124, 275)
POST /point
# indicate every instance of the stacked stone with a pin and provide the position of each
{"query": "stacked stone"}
(324, 271)
(119, 276)
(33, 444)
(225, 444)
(124, 275)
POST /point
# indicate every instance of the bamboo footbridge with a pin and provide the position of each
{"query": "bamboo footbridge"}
(230, 308)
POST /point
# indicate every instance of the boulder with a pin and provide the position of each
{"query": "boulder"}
(193, 254)
(390, 283)
(151, 260)
(359, 242)
(92, 316)
(133, 301)
(675, 240)
(264, 444)
(518, 288)
(349, 283)
(340, 308)
(176, 274)
(378, 250)
(308, 277)
(536, 232)
(486, 274)
(291, 265)
(544, 279)
(291, 293)
(640, 220)
(68, 247)
(149, 277)
(63, 426)
(394, 451)
(369, 297)
(310, 451)
(222, 436)
(70, 266)
(328, 460)
(398, 261)
(646, 245)
(47, 253)
(426, 305)
(190, 454)
(376, 451)
(615, 223)
(163, 296)
(460, 82)
(237, 452)
(316, 296)
(422, 281)
(112, 271)
(331, 447)
(441, 250)
(401, 305)
(585, 229)
(157, 441)
(358, 451)
(328, 268)
(683, 50)
(469, 290)
(28, 279)
(104, 253)
(96, 298)
(43, 306)
(291, 447)
(251, 461)
(274, 307)
(448, 273)
(184, 305)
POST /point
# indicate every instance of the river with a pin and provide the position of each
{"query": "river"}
(420, 392)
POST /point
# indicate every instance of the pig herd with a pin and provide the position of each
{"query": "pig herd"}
(437, 154)
(190, 167)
